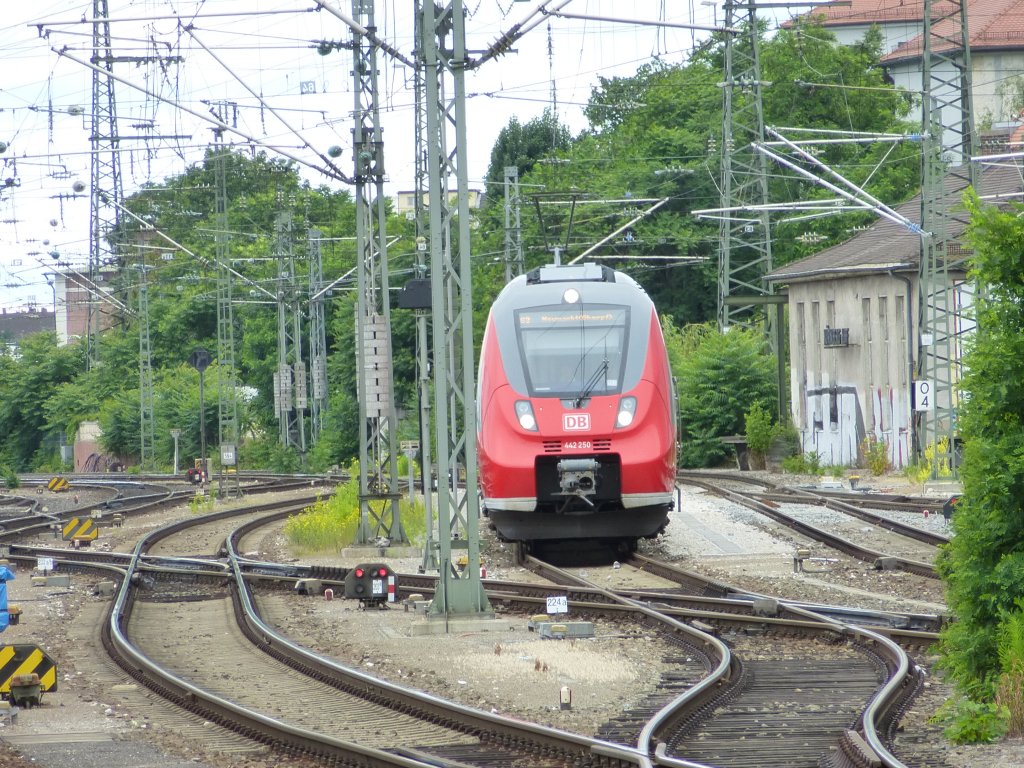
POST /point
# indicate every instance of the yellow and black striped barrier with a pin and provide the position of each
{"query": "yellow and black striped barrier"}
(80, 529)
(58, 484)
(26, 660)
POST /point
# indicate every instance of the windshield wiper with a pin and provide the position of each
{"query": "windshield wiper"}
(595, 377)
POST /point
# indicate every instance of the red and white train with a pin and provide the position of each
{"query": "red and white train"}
(576, 410)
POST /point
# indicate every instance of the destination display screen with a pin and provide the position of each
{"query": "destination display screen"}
(573, 351)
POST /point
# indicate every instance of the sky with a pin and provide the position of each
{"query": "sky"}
(189, 53)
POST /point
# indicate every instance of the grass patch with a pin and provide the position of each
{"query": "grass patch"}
(331, 523)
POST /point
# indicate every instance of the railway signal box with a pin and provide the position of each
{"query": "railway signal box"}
(371, 584)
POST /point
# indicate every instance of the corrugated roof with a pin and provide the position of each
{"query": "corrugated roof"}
(887, 245)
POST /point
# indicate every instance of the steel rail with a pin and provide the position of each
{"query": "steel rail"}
(457, 715)
(218, 709)
(817, 534)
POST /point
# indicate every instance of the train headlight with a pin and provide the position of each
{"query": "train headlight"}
(627, 410)
(524, 414)
(571, 296)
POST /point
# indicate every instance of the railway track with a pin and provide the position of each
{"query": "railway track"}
(655, 733)
(879, 559)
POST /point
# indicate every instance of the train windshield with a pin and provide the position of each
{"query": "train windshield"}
(575, 351)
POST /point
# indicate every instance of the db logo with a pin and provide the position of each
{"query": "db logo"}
(576, 422)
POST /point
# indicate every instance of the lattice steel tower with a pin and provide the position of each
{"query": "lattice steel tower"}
(317, 336)
(944, 296)
(105, 191)
(421, 185)
(514, 265)
(745, 247)
(378, 468)
(443, 47)
(290, 397)
(227, 374)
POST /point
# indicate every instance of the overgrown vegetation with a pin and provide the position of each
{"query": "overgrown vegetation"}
(718, 375)
(983, 565)
(876, 455)
(332, 523)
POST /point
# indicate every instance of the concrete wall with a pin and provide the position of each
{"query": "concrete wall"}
(843, 395)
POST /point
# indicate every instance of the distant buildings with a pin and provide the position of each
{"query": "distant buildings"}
(405, 202)
(14, 326)
(72, 290)
(996, 33)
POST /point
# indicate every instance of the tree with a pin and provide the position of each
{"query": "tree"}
(719, 378)
(523, 145)
(983, 565)
(26, 381)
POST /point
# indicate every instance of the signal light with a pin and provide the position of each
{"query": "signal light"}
(371, 584)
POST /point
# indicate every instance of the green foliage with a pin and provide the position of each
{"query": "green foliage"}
(522, 146)
(717, 377)
(331, 523)
(759, 429)
(1010, 685)
(983, 564)
(26, 379)
(202, 503)
(971, 722)
(267, 452)
(11, 479)
(803, 464)
(876, 455)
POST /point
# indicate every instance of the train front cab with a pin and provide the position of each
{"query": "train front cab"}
(565, 466)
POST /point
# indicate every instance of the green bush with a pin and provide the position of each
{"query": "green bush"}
(876, 455)
(11, 479)
(332, 523)
(803, 464)
(971, 722)
(759, 431)
(718, 376)
(1010, 685)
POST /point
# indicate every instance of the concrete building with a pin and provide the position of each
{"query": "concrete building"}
(853, 332)
(71, 294)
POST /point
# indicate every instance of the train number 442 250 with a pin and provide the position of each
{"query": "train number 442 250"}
(577, 445)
